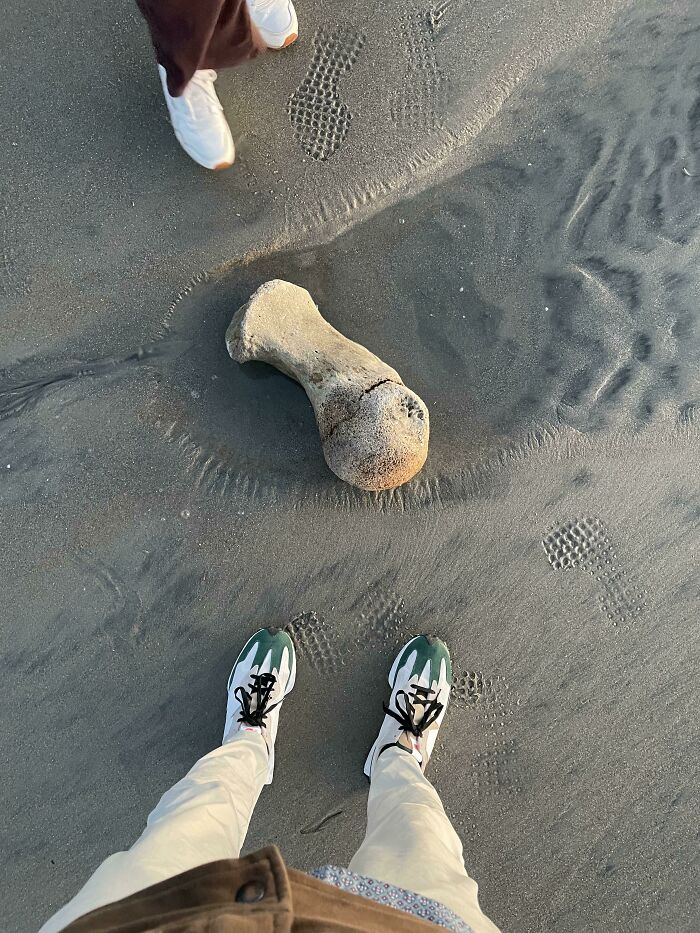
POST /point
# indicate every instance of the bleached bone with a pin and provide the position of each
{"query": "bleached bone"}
(374, 430)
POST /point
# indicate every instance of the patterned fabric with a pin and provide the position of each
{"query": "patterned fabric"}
(389, 894)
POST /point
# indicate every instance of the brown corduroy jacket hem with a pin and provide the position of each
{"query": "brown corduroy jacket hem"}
(255, 894)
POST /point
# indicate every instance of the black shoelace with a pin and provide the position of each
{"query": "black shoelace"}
(405, 713)
(261, 686)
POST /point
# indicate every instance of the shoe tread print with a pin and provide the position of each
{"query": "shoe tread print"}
(319, 118)
(584, 544)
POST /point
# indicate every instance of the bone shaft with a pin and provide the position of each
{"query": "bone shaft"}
(290, 349)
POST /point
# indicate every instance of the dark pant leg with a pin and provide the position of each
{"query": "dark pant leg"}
(192, 34)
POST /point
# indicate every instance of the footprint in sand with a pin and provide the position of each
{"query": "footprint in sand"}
(318, 116)
(315, 642)
(417, 104)
(486, 699)
(381, 624)
(583, 544)
(494, 769)
(383, 617)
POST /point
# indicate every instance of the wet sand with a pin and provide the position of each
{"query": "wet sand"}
(517, 236)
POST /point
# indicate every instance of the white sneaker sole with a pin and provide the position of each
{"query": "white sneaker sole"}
(225, 163)
(227, 154)
(292, 676)
(290, 40)
(290, 685)
(278, 41)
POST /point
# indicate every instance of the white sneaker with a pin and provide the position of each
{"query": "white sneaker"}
(276, 21)
(199, 122)
(263, 675)
(420, 681)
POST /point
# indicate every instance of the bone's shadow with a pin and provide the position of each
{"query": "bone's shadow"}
(254, 419)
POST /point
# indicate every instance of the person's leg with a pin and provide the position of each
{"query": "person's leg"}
(410, 842)
(187, 36)
(205, 816)
(194, 40)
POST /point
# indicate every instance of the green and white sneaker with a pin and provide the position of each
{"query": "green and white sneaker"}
(263, 675)
(420, 680)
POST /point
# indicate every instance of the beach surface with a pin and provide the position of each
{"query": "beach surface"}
(506, 210)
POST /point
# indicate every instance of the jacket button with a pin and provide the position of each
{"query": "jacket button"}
(251, 893)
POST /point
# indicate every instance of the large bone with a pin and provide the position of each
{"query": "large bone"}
(374, 430)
